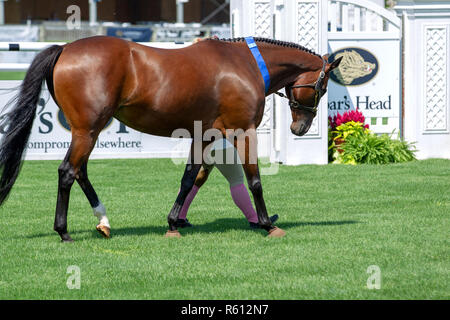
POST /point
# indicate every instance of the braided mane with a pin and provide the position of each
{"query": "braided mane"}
(273, 42)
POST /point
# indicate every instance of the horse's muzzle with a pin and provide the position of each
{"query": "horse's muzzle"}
(299, 129)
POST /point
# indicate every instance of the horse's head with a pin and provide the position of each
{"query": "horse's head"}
(305, 93)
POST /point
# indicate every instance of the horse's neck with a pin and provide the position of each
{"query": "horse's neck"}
(286, 64)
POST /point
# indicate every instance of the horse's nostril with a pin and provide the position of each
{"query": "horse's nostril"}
(298, 131)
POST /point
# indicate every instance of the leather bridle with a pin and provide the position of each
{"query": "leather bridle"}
(319, 92)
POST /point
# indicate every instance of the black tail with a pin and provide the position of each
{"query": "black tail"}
(19, 119)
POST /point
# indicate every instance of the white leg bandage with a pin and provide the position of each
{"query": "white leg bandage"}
(100, 213)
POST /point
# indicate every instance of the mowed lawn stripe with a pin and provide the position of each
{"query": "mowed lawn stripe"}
(339, 221)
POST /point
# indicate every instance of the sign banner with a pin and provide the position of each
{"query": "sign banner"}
(368, 80)
(135, 34)
(51, 136)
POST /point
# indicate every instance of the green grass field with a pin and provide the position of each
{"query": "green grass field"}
(339, 221)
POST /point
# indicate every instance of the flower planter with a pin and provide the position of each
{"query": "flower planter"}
(338, 143)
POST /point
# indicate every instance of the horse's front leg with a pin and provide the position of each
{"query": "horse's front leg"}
(187, 182)
(249, 158)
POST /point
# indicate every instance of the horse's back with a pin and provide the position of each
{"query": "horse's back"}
(140, 85)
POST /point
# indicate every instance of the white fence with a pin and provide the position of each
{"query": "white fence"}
(426, 36)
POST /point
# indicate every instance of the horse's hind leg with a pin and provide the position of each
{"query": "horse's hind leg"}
(68, 171)
(99, 209)
(66, 177)
(187, 182)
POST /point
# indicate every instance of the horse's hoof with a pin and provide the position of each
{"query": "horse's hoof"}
(173, 234)
(65, 237)
(276, 233)
(104, 231)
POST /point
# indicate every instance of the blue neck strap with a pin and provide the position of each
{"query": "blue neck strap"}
(259, 60)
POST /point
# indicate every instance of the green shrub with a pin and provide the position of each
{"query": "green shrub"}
(351, 142)
(373, 149)
(337, 137)
(349, 128)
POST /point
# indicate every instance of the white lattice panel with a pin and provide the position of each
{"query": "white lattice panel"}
(266, 122)
(263, 18)
(308, 36)
(436, 79)
(308, 24)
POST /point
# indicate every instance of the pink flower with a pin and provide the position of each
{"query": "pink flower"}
(352, 115)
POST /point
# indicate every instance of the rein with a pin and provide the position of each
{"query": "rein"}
(319, 92)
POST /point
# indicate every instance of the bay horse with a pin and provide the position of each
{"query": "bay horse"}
(156, 91)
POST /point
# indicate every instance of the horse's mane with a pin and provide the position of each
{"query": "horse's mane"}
(273, 42)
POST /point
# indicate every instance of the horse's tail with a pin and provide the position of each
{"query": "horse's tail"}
(18, 120)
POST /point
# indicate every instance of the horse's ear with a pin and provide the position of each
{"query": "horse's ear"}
(334, 64)
(325, 57)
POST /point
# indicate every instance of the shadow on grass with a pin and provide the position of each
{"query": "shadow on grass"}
(216, 226)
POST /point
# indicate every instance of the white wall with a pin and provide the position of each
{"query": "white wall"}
(426, 32)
